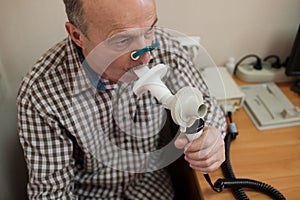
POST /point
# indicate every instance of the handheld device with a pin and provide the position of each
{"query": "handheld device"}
(186, 106)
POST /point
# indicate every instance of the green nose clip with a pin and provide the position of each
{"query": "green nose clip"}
(135, 55)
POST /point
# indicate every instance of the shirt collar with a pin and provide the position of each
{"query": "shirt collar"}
(91, 74)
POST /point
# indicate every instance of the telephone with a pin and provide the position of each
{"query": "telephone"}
(268, 107)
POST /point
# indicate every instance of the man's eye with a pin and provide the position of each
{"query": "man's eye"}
(149, 33)
(121, 44)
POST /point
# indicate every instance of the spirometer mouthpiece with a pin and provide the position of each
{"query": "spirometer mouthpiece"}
(186, 105)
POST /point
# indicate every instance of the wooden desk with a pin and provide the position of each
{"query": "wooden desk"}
(270, 156)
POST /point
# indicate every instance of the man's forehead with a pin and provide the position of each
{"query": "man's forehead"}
(112, 8)
(106, 18)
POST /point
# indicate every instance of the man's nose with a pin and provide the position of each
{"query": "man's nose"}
(141, 55)
(145, 58)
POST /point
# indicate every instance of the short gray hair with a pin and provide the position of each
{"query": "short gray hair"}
(75, 14)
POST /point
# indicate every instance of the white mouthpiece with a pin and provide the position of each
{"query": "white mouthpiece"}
(141, 71)
(186, 105)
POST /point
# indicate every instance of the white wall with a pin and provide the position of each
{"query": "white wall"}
(227, 28)
(235, 27)
(27, 29)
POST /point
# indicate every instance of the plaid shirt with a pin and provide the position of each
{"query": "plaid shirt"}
(84, 143)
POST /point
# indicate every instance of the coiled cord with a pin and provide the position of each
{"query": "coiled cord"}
(235, 184)
(238, 192)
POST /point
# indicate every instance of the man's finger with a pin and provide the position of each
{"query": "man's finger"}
(180, 141)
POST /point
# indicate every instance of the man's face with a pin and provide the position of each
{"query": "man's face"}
(115, 29)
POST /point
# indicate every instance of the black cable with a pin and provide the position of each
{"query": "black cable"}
(238, 192)
(257, 65)
(252, 184)
(232, 182)
(276, 64)
(226, 166)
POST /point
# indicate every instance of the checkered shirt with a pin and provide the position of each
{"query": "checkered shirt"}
(81, 143)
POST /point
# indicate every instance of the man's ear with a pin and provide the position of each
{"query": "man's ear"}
(75, 34)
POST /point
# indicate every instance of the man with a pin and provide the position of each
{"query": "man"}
(84, 133)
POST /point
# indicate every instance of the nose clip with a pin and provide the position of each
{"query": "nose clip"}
(135, 55)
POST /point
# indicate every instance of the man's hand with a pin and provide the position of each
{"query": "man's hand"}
(205, 153)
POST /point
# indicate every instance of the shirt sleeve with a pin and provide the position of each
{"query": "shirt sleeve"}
(48, 154)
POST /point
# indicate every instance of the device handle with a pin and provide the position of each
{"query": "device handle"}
(195, 131)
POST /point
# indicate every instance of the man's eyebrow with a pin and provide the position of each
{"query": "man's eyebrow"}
(122, 34)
